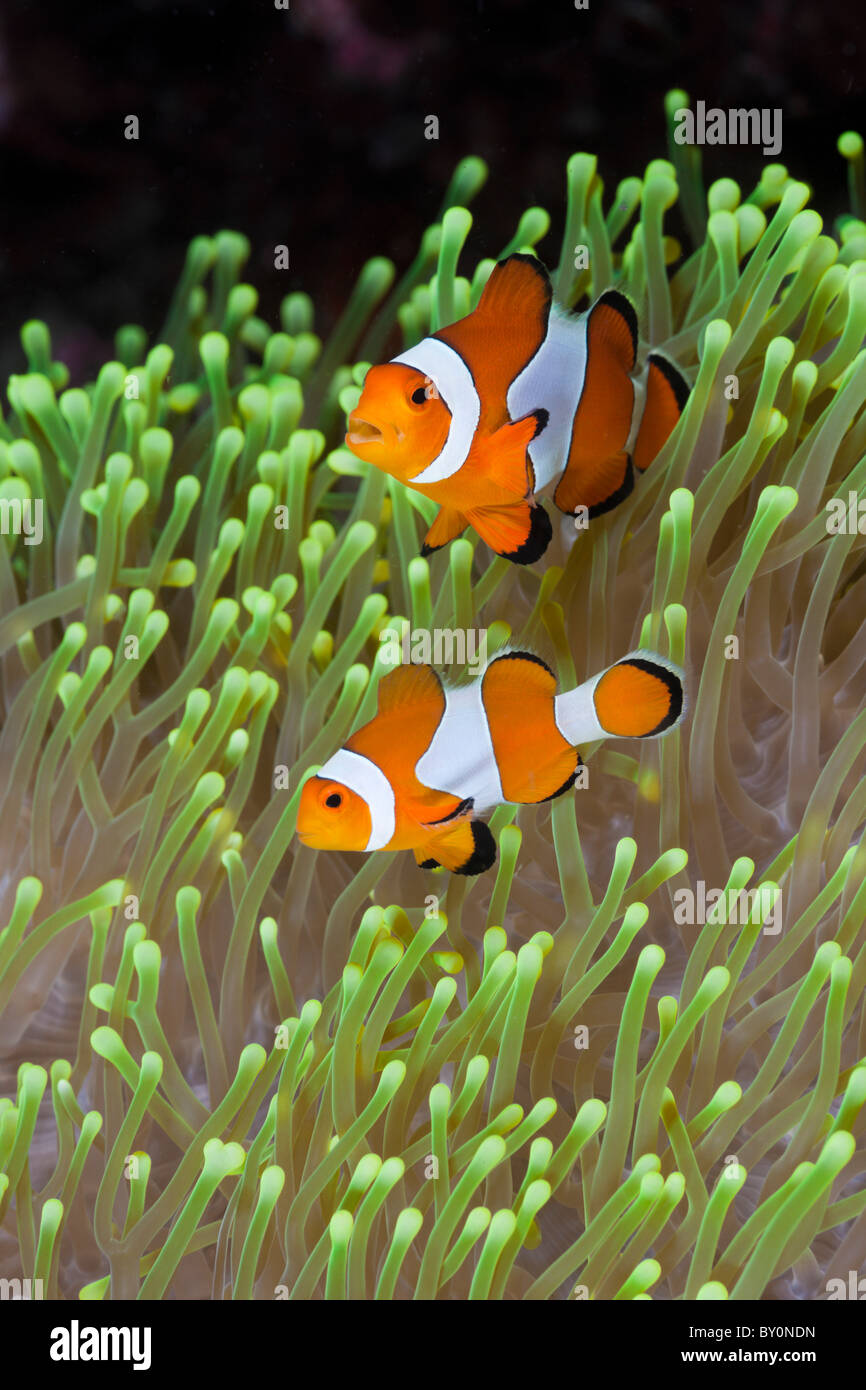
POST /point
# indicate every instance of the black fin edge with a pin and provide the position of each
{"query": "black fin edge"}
(617, 300)
(615, 498)
(521, 656)
(539, 538)
(542, 417)
(674, 378)
(459, 810)
(430, 864)
(434, 549)
(483, 855)
(566, 786)
(538, 266)
(675, 690)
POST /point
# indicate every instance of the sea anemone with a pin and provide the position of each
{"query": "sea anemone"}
(246, 1069)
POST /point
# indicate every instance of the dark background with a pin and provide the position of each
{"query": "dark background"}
(306, 127)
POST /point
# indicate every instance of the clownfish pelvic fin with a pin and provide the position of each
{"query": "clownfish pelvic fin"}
(520, 532)
(449, 524)
(467, 847)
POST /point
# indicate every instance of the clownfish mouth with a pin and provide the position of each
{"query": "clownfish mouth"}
(362, 432)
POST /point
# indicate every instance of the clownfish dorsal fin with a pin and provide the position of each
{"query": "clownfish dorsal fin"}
(534, 758)
(410, 685)
(524, 670)
(598, 471)
(504, 331)
(666, 394)
(613, 328)
(518, 285)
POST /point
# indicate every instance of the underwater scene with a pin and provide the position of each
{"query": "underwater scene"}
(433, 715)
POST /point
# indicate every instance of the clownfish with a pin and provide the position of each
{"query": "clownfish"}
(420, 772)
(484, 414)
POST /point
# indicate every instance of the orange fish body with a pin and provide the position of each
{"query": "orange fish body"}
(516, 397)
(419, 773)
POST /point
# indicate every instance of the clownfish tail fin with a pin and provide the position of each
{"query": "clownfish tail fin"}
(666, 394)
(641, 696)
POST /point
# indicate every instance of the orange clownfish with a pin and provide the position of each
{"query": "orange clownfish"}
(419, 773)
(483, 415)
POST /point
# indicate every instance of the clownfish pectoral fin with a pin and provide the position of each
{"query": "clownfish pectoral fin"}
(459, 810)
(520, 532)
(448, 525)
(666, 394)
(598, 472)
(503, 457)
(641, 696)
(465, 848)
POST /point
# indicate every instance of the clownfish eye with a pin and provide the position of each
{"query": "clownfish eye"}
(427, 392)
(334, 800)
